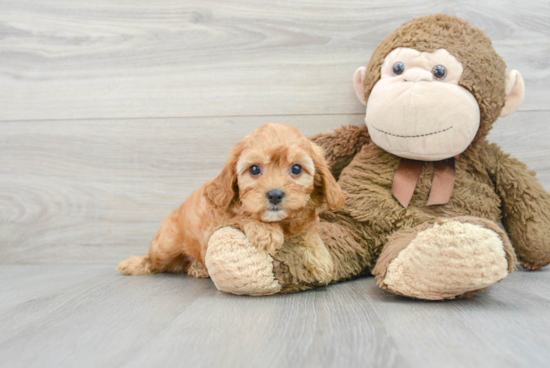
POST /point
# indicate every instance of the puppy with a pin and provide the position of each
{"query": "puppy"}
(271, 188)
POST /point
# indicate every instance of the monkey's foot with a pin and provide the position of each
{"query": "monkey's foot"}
(451, 258)
(237, 267)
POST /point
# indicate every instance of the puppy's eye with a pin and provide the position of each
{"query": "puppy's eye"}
(439, 72)
(296, 170)
(398, 68)
(255, 170)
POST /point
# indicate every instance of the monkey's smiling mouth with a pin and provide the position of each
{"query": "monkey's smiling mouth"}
(413, 136)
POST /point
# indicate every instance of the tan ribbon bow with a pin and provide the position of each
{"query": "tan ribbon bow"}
(408, 172)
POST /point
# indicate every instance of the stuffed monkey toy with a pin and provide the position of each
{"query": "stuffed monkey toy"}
(425, 191)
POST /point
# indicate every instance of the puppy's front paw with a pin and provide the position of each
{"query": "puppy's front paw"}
(319, 263)
(264, 236)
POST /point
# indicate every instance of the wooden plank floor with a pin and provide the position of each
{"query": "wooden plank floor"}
(112, 112)
(88, 315)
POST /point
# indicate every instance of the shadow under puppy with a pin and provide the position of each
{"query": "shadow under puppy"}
(271, 188)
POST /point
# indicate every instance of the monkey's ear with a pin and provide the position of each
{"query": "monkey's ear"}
(358, 79)
(515, 88)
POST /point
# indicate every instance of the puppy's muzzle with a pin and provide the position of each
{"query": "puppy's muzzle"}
(275, 196)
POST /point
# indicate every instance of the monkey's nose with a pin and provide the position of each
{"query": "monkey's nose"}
(275, 196)
(415, 75)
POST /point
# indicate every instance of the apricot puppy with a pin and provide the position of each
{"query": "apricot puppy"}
(271, 188)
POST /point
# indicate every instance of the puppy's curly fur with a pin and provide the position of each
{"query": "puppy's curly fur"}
(274, 158)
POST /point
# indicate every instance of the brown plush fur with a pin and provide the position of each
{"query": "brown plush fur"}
(237, 198)
(525, 207)
(490, 186)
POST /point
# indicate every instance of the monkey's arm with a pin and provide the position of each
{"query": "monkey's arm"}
(525, 208)
(342, 145)
(346, 241)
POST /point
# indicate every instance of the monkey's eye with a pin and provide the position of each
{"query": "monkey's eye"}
(439, 72)
(255, 170)
(296, 170)
(398, 68)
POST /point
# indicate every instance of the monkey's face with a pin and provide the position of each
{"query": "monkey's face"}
(417, 110)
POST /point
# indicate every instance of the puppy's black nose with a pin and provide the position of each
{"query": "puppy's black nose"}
(275, 196)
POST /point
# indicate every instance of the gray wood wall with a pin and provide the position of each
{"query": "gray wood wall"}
(112, 112)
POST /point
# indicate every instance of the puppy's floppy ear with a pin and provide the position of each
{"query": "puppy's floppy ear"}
(221, 190)
(323, 177)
